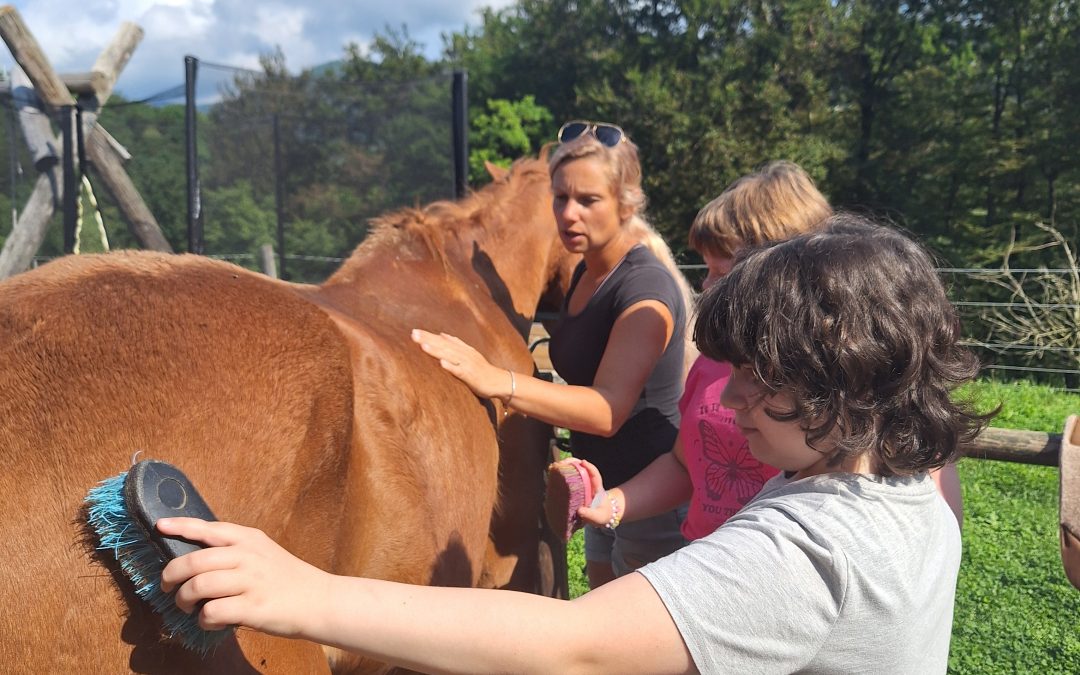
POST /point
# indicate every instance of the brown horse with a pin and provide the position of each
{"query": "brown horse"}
(303, 410)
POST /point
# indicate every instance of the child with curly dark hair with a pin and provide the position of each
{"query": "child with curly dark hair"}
(845, 353)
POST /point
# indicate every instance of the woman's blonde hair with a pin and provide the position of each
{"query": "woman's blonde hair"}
(624, 173)
(778, 201)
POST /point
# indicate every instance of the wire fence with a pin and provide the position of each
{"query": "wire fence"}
(237, 158)
(1055, 366)
(313, 160)
(305, 162)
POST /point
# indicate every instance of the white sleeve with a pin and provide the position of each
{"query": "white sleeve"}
(759, 595)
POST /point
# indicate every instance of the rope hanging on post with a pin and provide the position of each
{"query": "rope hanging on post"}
(85, 188)
(88, 190)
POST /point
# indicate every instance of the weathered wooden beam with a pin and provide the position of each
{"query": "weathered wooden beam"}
(27, 53)
(116, 145)
(112, 60)
(77, 83)
(1015, 445)
(53, 89)
(106, 154)
(108, 164)
(267, 260)
(25, 239)
(34, 122)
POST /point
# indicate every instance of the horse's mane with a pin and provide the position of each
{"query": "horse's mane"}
(423, 231)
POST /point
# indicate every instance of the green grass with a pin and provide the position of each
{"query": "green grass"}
(1015, 610)
(575, 561)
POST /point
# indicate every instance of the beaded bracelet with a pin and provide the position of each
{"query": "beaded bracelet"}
(616, 517)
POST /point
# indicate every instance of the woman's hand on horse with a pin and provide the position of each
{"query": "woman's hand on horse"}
(465, 363)
(243, 577)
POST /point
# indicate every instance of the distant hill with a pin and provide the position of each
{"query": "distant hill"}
(328, 68)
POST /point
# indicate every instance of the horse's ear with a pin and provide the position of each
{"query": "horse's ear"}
(496, 172)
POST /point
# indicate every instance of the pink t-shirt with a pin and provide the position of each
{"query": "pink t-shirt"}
(724, 473)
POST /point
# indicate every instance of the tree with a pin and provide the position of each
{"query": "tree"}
(504, 132)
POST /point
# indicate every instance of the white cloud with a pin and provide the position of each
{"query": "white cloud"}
(230, 32)
(174, 20)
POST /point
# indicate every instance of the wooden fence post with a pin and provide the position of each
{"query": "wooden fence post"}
(267, 261)
(1069, 511)
(53, 93)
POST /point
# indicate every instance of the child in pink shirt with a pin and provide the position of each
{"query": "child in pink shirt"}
(717, 457)
(711, 465)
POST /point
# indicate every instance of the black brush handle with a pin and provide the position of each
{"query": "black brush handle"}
(154, 490)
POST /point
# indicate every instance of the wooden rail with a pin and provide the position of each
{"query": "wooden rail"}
(1013, 445)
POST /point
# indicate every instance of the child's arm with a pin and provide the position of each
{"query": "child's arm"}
(656, 489)
(249, 580)
(948, 484)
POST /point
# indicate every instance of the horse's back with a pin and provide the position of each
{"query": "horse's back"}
(233, 378)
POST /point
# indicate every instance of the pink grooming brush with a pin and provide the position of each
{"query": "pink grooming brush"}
(568, 489)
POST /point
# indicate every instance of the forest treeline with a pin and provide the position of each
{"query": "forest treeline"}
(958, 120)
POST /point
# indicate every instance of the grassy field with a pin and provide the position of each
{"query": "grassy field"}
(1015, 610)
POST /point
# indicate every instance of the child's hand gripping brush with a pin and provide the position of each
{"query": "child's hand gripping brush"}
(123, 512)
(568, 489)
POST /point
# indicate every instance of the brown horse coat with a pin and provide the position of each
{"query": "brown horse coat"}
(302, 410)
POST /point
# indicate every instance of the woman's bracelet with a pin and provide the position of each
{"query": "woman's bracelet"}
(513, 387)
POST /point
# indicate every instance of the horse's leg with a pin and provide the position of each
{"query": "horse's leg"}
(522, 553)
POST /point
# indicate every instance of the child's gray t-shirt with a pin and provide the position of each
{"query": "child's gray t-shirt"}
(837, 573)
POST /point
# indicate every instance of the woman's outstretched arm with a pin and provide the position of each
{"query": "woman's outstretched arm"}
(638, 338)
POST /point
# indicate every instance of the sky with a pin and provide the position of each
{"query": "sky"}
(228, 32)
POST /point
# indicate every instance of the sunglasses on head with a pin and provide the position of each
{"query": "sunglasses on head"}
(608, 134)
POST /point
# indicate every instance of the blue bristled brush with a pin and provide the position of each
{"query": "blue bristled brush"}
(123, 511)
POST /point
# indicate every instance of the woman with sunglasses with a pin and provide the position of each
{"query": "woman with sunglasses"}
(619, 342)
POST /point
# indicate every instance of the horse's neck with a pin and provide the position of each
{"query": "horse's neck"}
(508, 266)
(512, 265)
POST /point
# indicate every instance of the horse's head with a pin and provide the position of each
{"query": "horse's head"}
(505, 233)
(535, 265)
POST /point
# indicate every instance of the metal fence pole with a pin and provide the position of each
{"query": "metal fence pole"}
(67, 122)
(279, 198)
(194, 196)
(460, 105)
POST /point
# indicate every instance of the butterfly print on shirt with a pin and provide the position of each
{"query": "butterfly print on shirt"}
(731, 471)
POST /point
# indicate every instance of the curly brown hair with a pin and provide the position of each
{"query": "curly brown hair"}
(853, 322)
